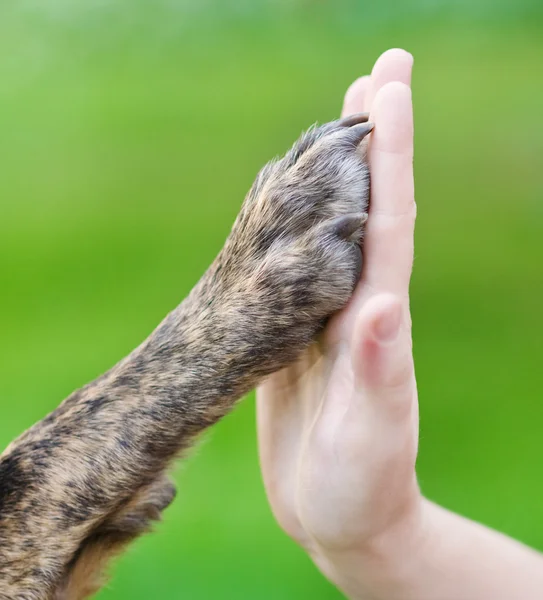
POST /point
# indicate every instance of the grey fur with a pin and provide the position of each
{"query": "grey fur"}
(89, 477)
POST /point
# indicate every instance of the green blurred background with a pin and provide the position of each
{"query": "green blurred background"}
(130, 131)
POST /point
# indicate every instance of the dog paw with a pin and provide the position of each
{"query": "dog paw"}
(294, 254)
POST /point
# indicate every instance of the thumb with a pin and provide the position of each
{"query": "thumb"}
(381, 354)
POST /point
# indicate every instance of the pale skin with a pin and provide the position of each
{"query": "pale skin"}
(338, 432)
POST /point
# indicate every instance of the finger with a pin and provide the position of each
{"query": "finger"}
(388, 238)
(388, 245)
(393, 65)
(355, 96)
(380, 430)
(382, 358)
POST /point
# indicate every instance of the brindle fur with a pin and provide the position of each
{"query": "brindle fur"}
(87, 479)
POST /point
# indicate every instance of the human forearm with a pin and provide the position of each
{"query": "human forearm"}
(439, 555)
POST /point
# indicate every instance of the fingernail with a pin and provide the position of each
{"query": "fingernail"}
(387, 325)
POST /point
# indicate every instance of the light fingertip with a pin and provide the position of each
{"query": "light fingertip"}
(378, 324)
(355, 96)
(394, 64)
(386, 324)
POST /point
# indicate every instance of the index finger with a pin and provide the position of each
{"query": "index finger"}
(388, 244)
(388, 239)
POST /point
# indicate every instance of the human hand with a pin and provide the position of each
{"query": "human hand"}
(338, 431)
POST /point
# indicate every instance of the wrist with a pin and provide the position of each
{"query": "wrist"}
(384, 566)
(436, 554)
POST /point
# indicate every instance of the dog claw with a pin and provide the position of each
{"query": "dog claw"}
(355, 119)
(348, 225)
(361, 131)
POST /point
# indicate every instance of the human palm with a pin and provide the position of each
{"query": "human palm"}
(338, 430)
